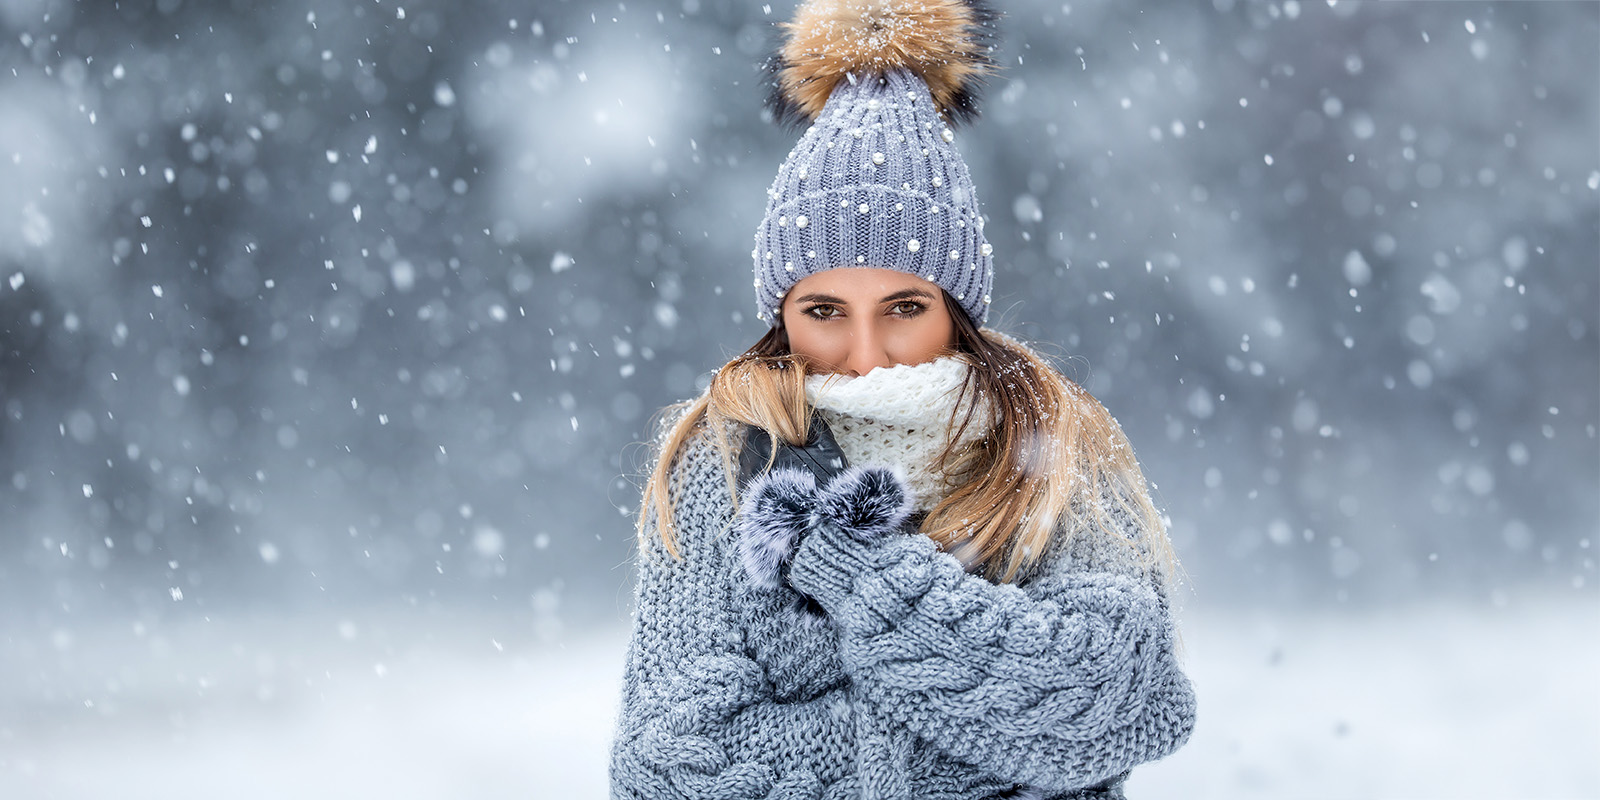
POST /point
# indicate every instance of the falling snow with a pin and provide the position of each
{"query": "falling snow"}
(332, 341)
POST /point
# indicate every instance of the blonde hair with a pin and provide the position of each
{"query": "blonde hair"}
(1053, 453)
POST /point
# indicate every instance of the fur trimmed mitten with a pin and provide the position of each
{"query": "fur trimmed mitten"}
(864, 504)
(776, 511)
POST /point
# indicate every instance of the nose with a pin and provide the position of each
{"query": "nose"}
(868, 350)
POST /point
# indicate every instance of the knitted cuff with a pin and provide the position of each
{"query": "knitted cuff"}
(826, 565)
(855, 512)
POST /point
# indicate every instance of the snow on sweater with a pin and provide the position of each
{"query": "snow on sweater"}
(883, 669)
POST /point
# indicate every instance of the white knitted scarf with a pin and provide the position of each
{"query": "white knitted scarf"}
(900, 417)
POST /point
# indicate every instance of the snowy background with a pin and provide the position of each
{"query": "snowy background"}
(330, 333)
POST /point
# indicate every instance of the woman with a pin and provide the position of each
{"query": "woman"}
(890, 554)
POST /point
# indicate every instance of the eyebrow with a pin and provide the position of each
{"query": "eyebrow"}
(828, 298)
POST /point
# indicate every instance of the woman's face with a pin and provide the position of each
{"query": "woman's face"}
(852, 320)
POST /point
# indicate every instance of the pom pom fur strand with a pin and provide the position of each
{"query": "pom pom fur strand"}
(946, 43)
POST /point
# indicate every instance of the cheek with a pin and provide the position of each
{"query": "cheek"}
(925, 341)
(939, 335)
(806, 340)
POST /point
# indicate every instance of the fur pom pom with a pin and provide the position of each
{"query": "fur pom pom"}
(776, 509)
(947, 43)
(866, 502)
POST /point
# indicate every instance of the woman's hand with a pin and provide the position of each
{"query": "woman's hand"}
(780, 495)
(783, 505)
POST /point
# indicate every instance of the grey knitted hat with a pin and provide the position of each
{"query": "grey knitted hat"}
(876, 180)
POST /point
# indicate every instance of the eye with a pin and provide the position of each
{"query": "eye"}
(823, 311)
(907, 308)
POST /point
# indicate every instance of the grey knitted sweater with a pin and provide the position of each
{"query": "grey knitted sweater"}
(878, 667)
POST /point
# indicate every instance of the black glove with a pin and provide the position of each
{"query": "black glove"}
(820, 455)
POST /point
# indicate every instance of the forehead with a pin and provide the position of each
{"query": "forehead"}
(861, 283)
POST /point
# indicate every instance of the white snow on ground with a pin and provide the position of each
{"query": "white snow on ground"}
(1419, 702)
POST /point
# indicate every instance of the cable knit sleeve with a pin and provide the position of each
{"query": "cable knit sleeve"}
(1058, 683)
(699, 718)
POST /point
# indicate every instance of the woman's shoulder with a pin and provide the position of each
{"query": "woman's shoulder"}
(686, 433)
(698, 474)
(1045, 352)
(1109, 531)
(702, 459)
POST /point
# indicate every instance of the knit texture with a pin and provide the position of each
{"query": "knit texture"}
(874, 182)
(883, 669)
(900, 416)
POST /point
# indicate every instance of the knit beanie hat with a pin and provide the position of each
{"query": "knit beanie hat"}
(876, 180)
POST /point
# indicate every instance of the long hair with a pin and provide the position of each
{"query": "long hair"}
(1044, 469)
